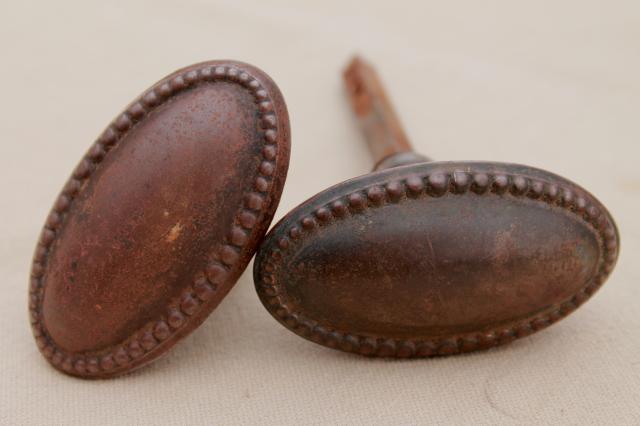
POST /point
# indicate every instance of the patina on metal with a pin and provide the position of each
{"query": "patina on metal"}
(432, 258)
(159, 219)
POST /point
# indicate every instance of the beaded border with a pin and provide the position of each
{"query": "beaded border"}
(150, 337)
(435, 184)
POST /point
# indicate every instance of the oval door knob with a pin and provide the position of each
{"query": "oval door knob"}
(159, 219)
(432, 258)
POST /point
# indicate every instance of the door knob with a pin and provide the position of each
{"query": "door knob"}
(422, 258)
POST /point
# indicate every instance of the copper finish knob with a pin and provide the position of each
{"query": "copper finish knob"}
(432, 258)
(159, 219)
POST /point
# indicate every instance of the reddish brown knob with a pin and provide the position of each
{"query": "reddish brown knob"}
(432, 258)
(159, 219)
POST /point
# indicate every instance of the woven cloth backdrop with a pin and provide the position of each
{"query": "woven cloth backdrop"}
(553, 84)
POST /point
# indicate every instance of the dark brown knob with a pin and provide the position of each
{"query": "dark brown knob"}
(432, 258)
(159, 219)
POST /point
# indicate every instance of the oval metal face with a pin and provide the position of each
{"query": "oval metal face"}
(435, 258)
(159, 219)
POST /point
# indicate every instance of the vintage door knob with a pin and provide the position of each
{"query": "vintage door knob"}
(159, 219)
(432, 258)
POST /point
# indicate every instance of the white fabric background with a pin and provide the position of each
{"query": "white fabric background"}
(554, 84)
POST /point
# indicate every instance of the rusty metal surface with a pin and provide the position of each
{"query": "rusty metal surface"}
(432, 258)
(435, 258)
(159, 219)
(378, 120)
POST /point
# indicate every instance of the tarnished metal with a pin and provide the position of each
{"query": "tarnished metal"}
(432, 258)
(160, 218)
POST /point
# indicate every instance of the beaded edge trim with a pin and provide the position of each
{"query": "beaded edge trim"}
(150, 337)
(436, 184)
